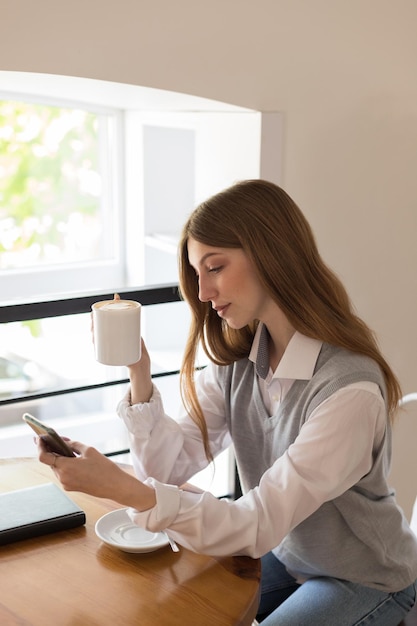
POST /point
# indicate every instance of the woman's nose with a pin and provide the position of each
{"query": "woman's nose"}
(205, 291)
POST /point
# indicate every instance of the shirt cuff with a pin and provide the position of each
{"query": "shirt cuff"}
(161, 516)
(140, 418)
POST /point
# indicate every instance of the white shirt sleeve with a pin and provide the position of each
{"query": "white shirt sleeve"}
(171, 450)
(332, 452)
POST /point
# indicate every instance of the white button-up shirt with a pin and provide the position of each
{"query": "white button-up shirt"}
(332, 452)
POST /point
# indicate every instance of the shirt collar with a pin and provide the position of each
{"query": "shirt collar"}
(298, 361)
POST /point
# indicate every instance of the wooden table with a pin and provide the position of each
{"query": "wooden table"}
(72, 578)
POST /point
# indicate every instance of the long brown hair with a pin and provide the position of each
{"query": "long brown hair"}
(260, 218)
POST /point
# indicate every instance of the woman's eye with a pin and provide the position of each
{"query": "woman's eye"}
(215, 270)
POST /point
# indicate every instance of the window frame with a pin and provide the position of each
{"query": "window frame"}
(62, 278)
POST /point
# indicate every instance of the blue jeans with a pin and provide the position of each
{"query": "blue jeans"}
(325, 601)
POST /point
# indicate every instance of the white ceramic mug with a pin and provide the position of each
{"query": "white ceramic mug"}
(117, 331)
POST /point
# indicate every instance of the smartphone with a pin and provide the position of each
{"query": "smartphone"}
(54, 442)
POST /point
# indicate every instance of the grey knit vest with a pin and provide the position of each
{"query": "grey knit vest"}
(360, 536)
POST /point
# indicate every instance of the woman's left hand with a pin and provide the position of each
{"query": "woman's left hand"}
(92, 473)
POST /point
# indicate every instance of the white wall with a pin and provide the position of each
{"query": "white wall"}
(343, 72)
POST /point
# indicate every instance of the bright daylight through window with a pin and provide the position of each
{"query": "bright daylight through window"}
(50, 185)
(58, 203)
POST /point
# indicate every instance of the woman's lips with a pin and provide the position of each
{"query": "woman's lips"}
(221, 310)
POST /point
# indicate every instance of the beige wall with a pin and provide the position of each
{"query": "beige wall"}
(343, 72)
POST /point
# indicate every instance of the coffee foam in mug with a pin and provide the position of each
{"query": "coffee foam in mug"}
(117, 305)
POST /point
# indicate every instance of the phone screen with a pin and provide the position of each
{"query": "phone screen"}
(54, 442)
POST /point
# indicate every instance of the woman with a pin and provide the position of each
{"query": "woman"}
(298, 384)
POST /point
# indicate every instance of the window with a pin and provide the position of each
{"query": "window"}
(103, 206)
(59, 211)
(50, 186)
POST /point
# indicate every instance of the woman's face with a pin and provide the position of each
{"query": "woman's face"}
(227, 279)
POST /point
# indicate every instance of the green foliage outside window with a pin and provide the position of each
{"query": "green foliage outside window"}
(50, 185)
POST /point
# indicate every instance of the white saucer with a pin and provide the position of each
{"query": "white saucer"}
(116, 529)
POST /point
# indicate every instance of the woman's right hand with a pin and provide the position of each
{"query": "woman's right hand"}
(140, 378)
